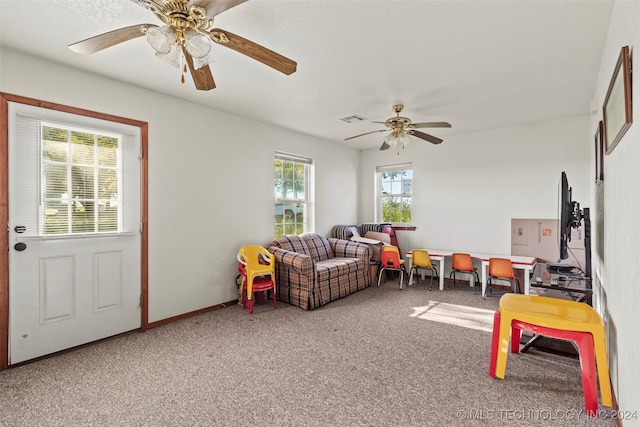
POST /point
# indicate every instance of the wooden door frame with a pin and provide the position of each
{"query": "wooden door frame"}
(5, 98)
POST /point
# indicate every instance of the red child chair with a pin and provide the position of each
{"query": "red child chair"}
(257, 266)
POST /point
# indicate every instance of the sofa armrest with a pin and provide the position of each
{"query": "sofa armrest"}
(349, 249)
(300, 263)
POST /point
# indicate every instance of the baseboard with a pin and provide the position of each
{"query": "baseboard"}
(190, 314)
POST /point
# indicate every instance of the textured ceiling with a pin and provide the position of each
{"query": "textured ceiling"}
(476, 64)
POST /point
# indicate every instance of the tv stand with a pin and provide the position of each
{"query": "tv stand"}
(564, 270)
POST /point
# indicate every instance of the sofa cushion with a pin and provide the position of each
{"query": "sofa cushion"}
(349, 249)
(337, 267)
(291, 243)
(318, 246)
(338, 277)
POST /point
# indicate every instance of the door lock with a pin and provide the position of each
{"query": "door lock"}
(20, 228)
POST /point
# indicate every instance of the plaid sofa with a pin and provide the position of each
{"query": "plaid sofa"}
(312, 270)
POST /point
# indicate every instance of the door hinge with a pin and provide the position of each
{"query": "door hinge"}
(141, 154)
(142, 227)
(141, 301)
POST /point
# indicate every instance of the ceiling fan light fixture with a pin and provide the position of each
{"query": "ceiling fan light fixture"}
(201, 62)
(165, 41)
(161, 39)
(397, 138)
(198, 45)
(173, 57)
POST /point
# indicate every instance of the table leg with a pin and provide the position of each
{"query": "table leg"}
(527, 281)
(410, 270)
(484, 279)
(441, 273)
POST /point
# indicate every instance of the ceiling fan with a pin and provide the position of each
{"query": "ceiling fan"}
(402, 128)
(188, 34)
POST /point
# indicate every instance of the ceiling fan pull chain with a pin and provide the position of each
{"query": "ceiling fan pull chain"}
(184, 69)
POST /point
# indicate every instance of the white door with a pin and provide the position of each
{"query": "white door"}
(74, 234)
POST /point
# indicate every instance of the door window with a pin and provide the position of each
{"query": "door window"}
(73, 181)
(80, 174)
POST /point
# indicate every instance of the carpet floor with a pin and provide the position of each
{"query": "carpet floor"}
(379, 357)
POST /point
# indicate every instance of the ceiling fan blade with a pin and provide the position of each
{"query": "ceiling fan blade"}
(202, 77)
(215, 7)
(430, 125)
(384, 146)
(112, 38)
(363, 134)
(432, 139)
(253, 50)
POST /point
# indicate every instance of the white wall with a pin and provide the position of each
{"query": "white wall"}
(615, 260)
(210, 179)
(467, 189)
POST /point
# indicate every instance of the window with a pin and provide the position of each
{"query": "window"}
(77, 175)
(394, 193)
(292, 175)
(80, 173)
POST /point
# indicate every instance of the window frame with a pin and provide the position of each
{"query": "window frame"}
(290, 224)
(29, 118)
(402, 195)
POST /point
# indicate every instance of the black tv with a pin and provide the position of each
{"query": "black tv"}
(570, 216)
(565, 206)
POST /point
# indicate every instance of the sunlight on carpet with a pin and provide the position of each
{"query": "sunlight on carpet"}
(459, 315)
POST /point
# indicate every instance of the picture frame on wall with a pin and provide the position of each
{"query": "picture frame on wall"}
(599, 152)
(617, 108)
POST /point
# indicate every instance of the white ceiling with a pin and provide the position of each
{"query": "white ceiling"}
(476, 64)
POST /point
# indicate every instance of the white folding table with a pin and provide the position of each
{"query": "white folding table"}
(526, 263)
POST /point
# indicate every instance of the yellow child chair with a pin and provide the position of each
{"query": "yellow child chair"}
(420, 260)
(390, 260)
(258, 275)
